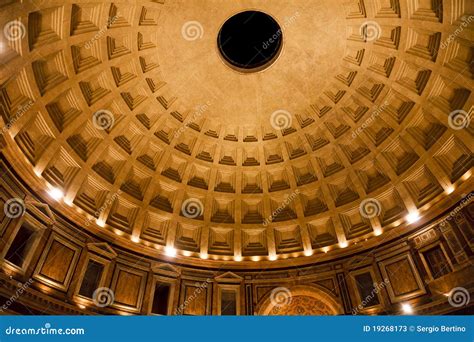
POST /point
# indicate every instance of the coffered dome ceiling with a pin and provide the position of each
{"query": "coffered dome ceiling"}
(126, 119)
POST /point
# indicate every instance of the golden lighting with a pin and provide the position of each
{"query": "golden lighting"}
(170, 251)
(56, 194)
(407, 309)
(413, 217)
(450, 189)
(343, 244)
(118, 232)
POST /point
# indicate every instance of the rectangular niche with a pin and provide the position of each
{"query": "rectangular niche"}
(128, 285)
(228, 303)
(367, 289)
(20, 248)
(228, 300)
(93, 278)
(161, 301)
(57, 263)
(404, 280)
(194, 299)
(436, 261)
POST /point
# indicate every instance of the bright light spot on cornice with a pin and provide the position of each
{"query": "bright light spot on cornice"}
(237, 258)
(135, 239)
(272, 257)
(308, 252)
(413, 217)
(450, 190)
(377, 232)
(170, 251)
(100, 223)
(407, 309)
(204, 255)
(56, 194)
(343, 244)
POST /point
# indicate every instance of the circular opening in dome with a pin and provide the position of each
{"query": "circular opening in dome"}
(250, 41)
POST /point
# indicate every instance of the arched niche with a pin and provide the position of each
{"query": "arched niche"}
(300, 300)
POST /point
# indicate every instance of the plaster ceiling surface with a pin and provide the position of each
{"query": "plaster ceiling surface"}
(125, 119)
(196, 71)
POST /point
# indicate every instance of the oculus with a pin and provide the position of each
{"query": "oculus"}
(250, 41)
